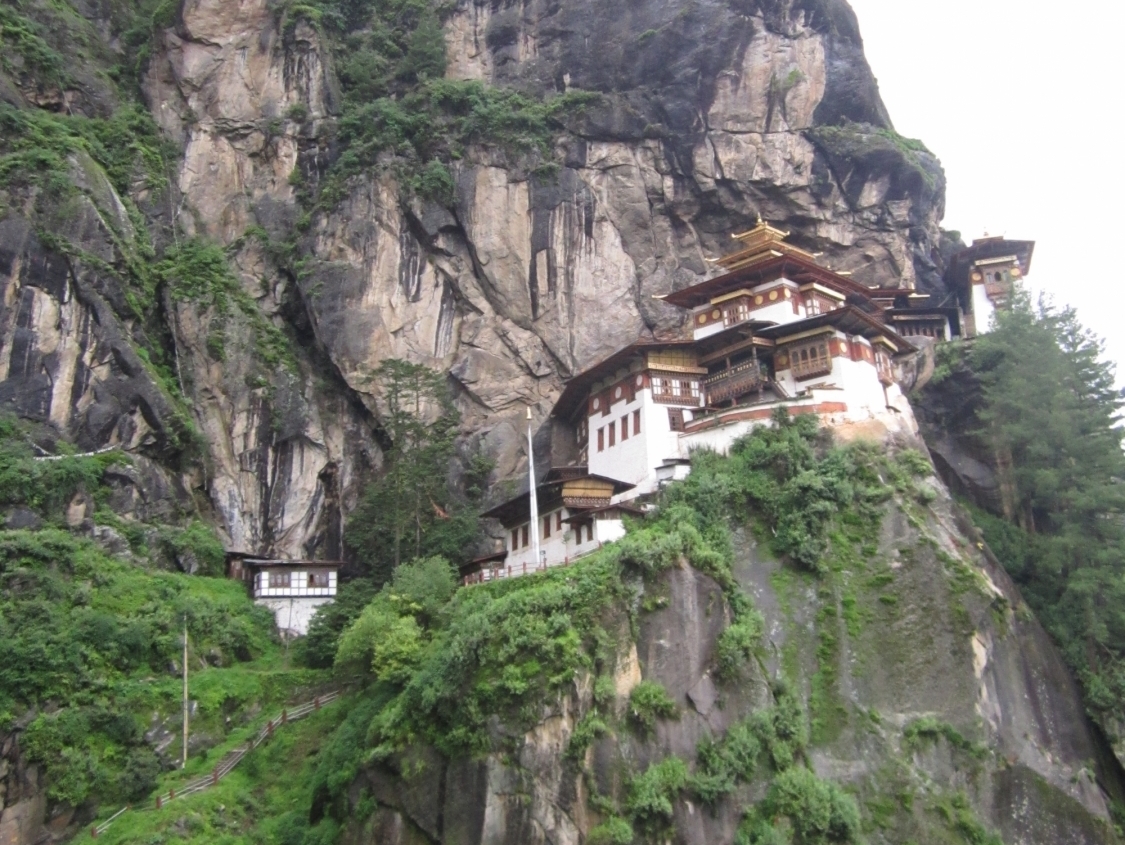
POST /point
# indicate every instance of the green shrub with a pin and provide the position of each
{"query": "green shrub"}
(613, 831)
(651, 793)
(723, 764)
(198, 542)
(423, 586)
(929, 729)
(815, 811)
(499, 649)
(738, 643)
(783, 729)
(318, 649)
(589, 727)
(605, 691)
(648, 702)
(791, 476)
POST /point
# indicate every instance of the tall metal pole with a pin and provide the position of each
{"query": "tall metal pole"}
(534, 497)
(183, 763)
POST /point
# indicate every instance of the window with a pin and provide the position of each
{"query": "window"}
(612, 434)
(318, 580)
(601, 439)
(676, 419)
(558, 521)
(625, 427)
(515, 539)
(636, 423)
(810, 359)
(546, 526)
(884, 367)
(526, 529)
(812, 306)
(280, 579)
(737, 313)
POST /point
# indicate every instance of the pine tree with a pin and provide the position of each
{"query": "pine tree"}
(398, 509)
(1050, 414)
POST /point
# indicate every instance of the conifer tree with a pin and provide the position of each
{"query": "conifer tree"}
(1050, 414)
(399, 510)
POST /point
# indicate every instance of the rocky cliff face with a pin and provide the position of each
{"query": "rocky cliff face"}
(934, 695)
(712, 113)
(709, 114)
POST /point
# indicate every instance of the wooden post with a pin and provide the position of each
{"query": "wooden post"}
(269, 728)
(757, 370)
(284, 717)
(93, 831)
(214, 776)
(316, 703)
(171, 794)
(159, 803)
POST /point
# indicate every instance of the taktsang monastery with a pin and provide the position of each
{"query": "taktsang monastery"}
(774, 329)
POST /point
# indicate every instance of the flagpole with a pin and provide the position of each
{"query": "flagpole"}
(534, 497)
(183, 762)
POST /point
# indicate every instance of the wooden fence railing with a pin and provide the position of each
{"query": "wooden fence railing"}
(231, 759)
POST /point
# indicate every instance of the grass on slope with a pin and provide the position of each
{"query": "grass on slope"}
(92, 642)
(91, 662)
(264, 801)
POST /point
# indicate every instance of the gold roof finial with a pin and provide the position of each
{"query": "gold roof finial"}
(758, 244)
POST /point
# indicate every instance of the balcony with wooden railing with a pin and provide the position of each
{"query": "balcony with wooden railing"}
(811, 366)
(734, 382)
(668, 391)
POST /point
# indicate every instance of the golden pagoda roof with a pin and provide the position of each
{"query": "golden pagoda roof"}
(760, 244)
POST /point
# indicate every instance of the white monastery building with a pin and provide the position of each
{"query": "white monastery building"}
(773, 330)
(291, 589)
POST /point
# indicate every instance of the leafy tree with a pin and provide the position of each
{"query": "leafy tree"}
(413, 510)
(319, 647)
(388, 638)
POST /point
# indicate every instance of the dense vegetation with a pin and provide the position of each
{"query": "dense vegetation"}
(440, 670)
(100, 636)
(92, 641)
(1045, 413)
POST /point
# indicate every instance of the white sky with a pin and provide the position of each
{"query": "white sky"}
(1022, 103)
